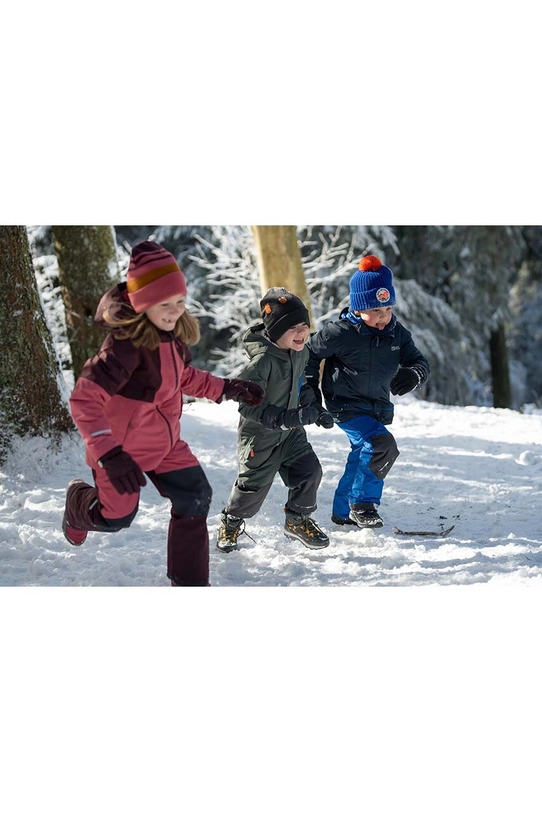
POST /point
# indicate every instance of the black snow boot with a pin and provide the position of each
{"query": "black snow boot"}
(342, 520)
(365, 515)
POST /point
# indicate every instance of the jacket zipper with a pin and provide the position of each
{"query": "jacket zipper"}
(176, 385)
(168, 426)
(174, 365)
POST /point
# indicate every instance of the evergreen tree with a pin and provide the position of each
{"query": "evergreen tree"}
(525, 329)
(473, 269)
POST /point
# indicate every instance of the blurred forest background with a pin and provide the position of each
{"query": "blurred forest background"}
(471, 295)
(465, 292)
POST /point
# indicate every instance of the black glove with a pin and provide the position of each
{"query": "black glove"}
(313, 381)
(237, 389)
(125, 474)
(325, 419)
(405, 380)
(296, 418)
(306, 396)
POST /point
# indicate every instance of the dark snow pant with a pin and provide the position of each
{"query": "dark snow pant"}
(299, 469)
(188, 539)
(373, 453)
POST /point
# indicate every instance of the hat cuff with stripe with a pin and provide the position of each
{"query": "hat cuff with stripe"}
(153, 276)
(161, 289)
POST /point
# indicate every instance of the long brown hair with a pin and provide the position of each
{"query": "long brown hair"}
(143, 333)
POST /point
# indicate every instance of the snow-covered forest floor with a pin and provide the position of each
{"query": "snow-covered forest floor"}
(476, 468)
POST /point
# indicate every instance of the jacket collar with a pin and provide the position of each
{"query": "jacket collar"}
(358, 323)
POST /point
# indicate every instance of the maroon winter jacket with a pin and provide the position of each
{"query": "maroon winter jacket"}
(130, 396)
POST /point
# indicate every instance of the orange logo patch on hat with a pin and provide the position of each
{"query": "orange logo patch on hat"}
(267, 308)
(282, 300)
(383, 295)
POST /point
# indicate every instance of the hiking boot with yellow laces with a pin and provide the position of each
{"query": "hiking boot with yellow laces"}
(228, 531)
(306, 530)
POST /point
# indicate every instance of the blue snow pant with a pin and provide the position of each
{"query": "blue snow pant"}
(373, 453)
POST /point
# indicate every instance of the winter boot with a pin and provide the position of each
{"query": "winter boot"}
(75, 536)
(306, 530)
(365, 515)
(228, 531)
(342, 520)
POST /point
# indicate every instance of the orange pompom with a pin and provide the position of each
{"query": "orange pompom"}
(370, 263)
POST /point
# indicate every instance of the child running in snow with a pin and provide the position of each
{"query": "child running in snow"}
(367, 353)
(127, 404)
(271, 435)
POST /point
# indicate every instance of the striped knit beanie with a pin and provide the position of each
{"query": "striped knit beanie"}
(153, 276)
(371, 286)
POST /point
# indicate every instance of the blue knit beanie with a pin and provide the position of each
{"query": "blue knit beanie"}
(371, 286)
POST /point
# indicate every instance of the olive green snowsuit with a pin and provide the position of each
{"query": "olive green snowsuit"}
(263, 452)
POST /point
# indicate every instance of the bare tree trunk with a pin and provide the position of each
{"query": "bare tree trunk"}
(279, 261)
(31, 401)
(500, 373)
(87, 264)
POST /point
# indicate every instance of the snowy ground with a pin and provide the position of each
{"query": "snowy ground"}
(476, 468)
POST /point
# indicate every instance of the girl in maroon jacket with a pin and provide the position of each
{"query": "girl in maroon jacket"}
(127, 404)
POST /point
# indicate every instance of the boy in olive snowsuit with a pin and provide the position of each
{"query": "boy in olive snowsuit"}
(368, 354)
(271, 437)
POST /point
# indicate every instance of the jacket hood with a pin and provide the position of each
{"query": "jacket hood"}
(116, 301)
(256, 342)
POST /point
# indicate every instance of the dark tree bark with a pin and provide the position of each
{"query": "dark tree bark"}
(87, 264)
(31, 401)
(500, 374)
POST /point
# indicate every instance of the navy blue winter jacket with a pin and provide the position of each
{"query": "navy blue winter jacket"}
(359, 364)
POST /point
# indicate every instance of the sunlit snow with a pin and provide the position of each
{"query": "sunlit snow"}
(477, 468)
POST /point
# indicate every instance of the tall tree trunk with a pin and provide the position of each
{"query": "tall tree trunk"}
(279, 261)
(31, 401)
(500, 373)
(87, 264)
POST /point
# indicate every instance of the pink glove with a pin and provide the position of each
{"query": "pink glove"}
(237, 389)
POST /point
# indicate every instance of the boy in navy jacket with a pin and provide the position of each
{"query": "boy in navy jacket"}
(367, 353)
